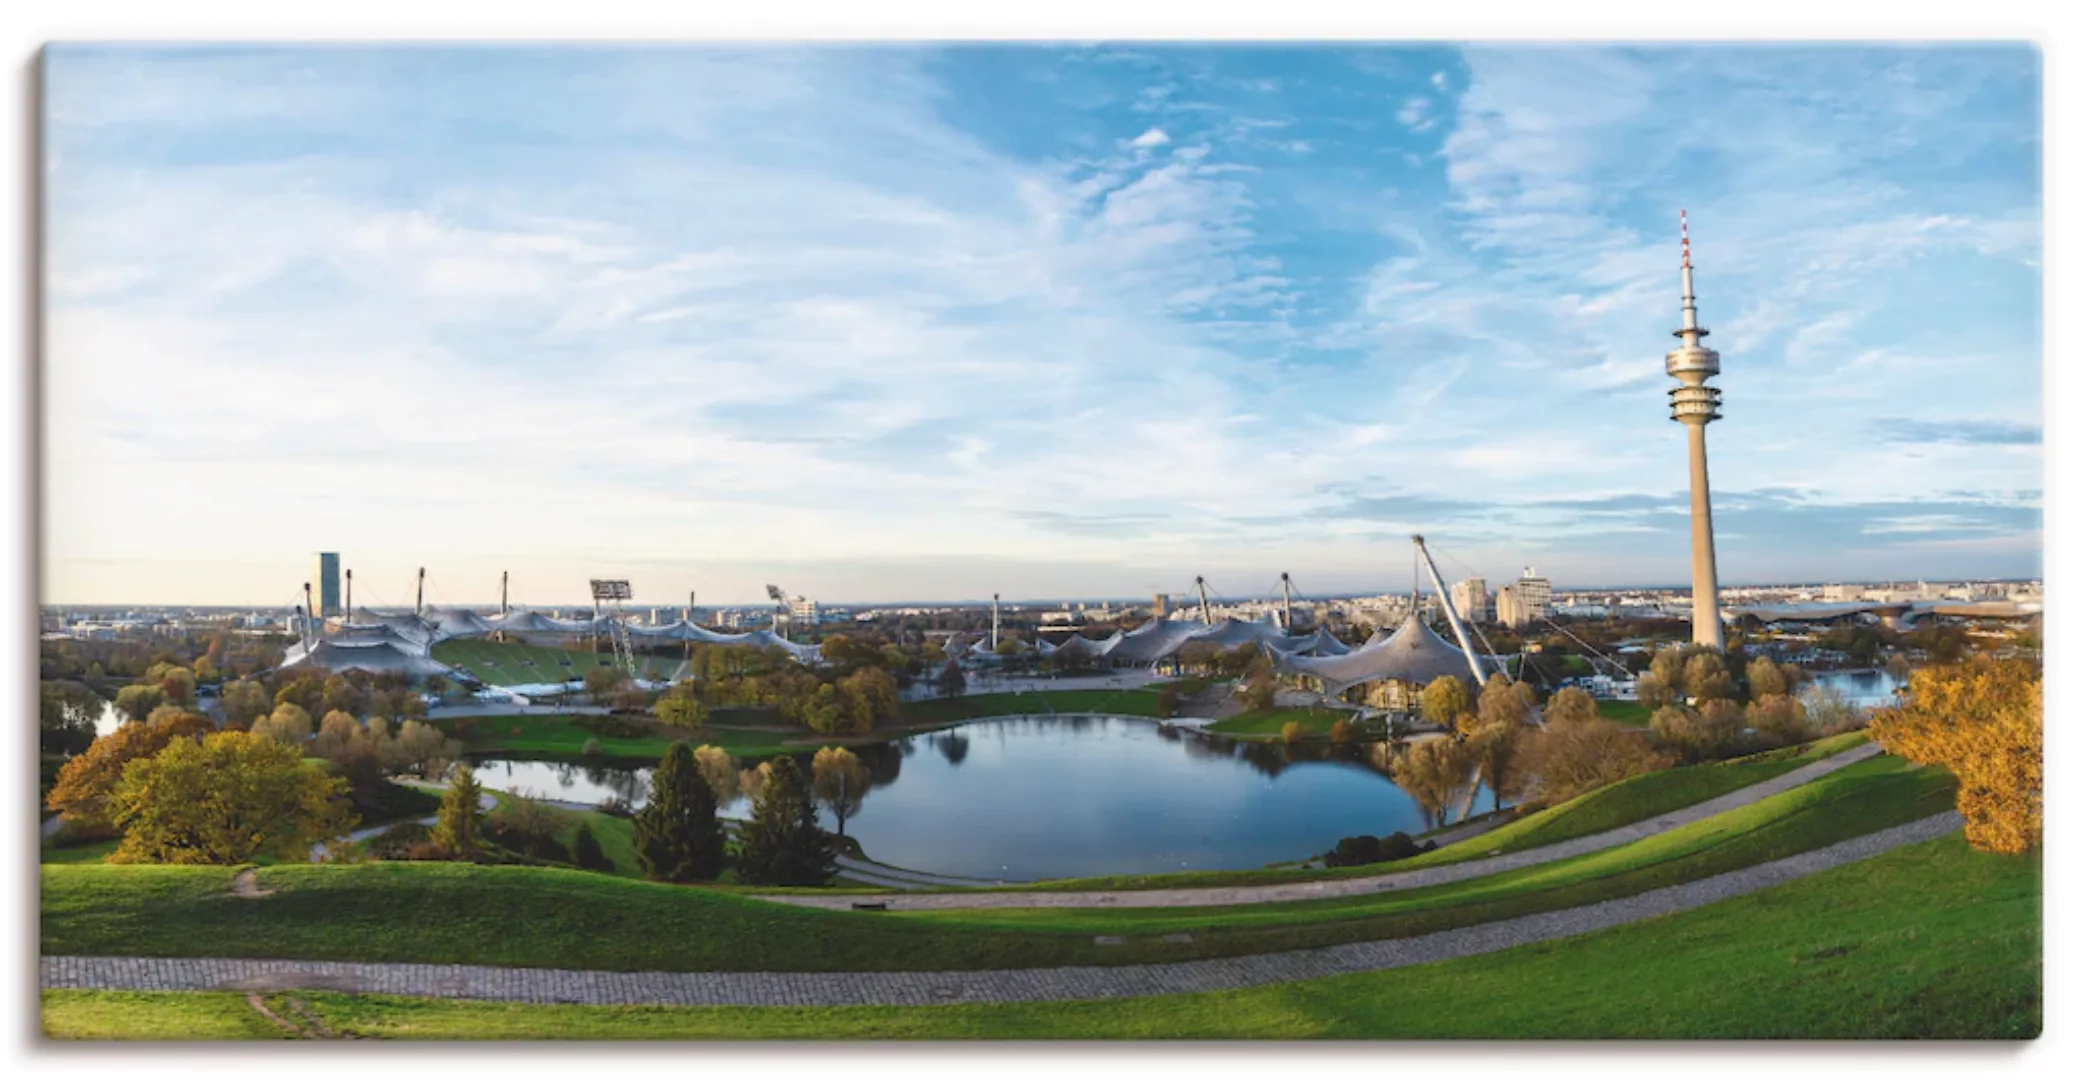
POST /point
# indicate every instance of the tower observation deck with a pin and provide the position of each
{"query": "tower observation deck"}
(1696, 404)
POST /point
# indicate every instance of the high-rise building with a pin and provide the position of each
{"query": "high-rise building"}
(802, 611)
(1471, 598)
(325, 584)
(1511, 611)
(1695, 404)
(1534, 593)
(1160, 606)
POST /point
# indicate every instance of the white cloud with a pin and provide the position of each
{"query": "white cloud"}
(1150, 138)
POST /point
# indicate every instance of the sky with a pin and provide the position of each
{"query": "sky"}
(878, 323)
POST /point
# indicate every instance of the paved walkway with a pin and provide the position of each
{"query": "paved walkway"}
(1224, 896)
(551, 986)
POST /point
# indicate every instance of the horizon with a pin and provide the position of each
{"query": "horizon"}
(938, 321)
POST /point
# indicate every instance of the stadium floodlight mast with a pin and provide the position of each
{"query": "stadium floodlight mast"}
(781, 615)
(614, 591)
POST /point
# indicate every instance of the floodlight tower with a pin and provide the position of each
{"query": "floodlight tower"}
(419, 595)
(614, 592)
(350, 598)
(1287, 603)
(1695, 404)
(1201, 583)
(994, 622)
(780, 599)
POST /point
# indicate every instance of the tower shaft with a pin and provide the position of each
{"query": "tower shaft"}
(1696, 404)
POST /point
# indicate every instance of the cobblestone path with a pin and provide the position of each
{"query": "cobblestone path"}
(1224, 896)
(549, 986)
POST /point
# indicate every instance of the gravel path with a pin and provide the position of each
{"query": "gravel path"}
(1224, 896)
(549, 986)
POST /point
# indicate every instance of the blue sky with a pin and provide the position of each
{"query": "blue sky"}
(879, 322)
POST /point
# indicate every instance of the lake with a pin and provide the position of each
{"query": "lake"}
(1045, 797)
(1866, 689)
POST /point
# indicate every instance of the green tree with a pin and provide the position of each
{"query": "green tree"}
(586, 853)
(289, 725)
(137, 702)
(84, 784)
(66, 712)
(841, 782)
(224, 800)
(682, 708)
(179, 685)
(678, 836)
(783, 844)
(952, 682)
(1443, 700)
(244, 701)
(459, 822)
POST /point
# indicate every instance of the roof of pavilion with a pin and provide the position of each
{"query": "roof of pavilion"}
(1413, 654)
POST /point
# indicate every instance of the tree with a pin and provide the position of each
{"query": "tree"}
(1654, 691)
(179, 685)
(1571, 705)
(81, 793)
(1443, 700)
(1765, 678)
(719, 770)
(335, 733)
(1343, 731)
(1495, 748)
(1705, 677)
(1291, 731)
(289, 725)
(1434, 773)
(600, 682)
(1710, 733)
(1167, 701)
(529, 826)
(137, 702)
(952, 682)
(682, 708)
(678, 837)
(1258, 694)
(1830, 711)
(868, 699)
(224, 800)
(1504, 702)
(457, 824)
(1668, 665)
(421, 747)
(244, 702)
(782, 843)
(586, 853)
(1980, 719)
(1777, 720)
(1568, 758)
(841, 782)
(66, 712)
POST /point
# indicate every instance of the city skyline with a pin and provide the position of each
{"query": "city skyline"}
(933, 323)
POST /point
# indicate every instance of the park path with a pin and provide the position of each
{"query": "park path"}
(821, 989)
(1224, 896)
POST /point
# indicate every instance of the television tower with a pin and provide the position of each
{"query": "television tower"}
(1695, 404)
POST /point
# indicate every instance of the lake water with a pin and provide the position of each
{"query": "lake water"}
(1867, 689)
(1030, 798)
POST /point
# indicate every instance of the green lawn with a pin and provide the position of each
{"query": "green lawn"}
(1635, 799)
(1266, 724)
(564, 737)
(1631, 713)
(450, 913)
(1136, 702)
(1929, 941)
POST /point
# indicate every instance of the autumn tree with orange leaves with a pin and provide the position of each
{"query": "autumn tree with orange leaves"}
(1981, 720)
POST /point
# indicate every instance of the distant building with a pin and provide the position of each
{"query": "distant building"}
(1160, 606)
(325, 584)
(1534, 592)
(1511, 610)
(1471, 598)
(802, 611)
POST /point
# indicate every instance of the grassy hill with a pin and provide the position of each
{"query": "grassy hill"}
(1929, 941)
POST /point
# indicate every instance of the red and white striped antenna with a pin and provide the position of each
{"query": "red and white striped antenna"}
(1684, 243)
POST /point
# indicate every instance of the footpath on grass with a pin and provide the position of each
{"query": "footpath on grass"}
(823, 989)
(1232, 895)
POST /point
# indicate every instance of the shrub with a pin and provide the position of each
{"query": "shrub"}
(398, 841)
(1361, 850)
(592, 747)
(1291, 731)
(1710, 734)
(1777, 720)
(1567, 759)
(1167, 702)
(1342, 731)
(1258, 694)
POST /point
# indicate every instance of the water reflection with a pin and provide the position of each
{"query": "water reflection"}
(1054, 797)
